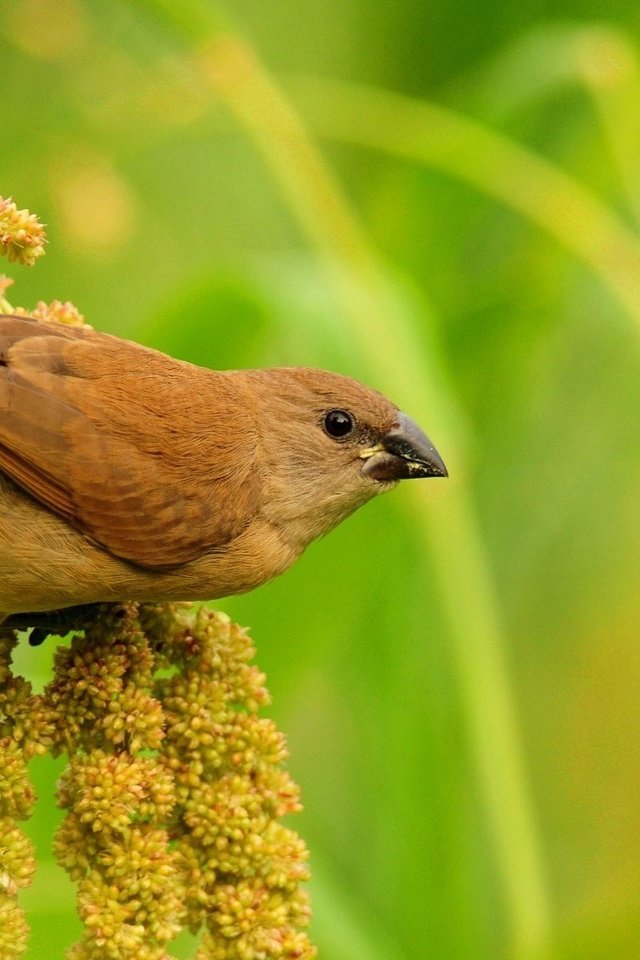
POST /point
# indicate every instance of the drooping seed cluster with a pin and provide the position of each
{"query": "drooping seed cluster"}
(174, 791)
(22, 236)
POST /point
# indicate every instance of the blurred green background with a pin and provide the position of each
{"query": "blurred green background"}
(457, 667)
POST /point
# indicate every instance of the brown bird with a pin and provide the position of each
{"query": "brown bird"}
(128, 475)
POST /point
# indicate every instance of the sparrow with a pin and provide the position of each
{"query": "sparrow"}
(126, 474)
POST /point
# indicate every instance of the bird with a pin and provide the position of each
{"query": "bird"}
(128, 475)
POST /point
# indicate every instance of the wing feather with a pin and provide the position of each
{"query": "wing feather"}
(150, 457)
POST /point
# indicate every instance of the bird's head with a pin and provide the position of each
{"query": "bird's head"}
(329, 444)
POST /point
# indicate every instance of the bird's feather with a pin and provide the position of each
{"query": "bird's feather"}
(84, 430)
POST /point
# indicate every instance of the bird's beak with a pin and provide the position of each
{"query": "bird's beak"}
(404, 453)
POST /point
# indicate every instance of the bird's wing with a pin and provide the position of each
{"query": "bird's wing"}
(148, 456)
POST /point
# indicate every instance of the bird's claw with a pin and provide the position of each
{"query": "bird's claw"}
(51, 622)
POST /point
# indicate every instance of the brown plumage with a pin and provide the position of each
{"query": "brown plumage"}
(126, 474)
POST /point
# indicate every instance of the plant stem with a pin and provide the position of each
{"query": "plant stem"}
(435, 136)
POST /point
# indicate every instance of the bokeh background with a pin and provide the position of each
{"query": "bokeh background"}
(443, 200)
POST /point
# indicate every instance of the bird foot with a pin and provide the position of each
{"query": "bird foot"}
(51, 622)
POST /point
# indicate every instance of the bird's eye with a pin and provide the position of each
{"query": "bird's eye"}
(338, 424)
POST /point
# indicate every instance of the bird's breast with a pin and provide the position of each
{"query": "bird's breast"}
(45, 564)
